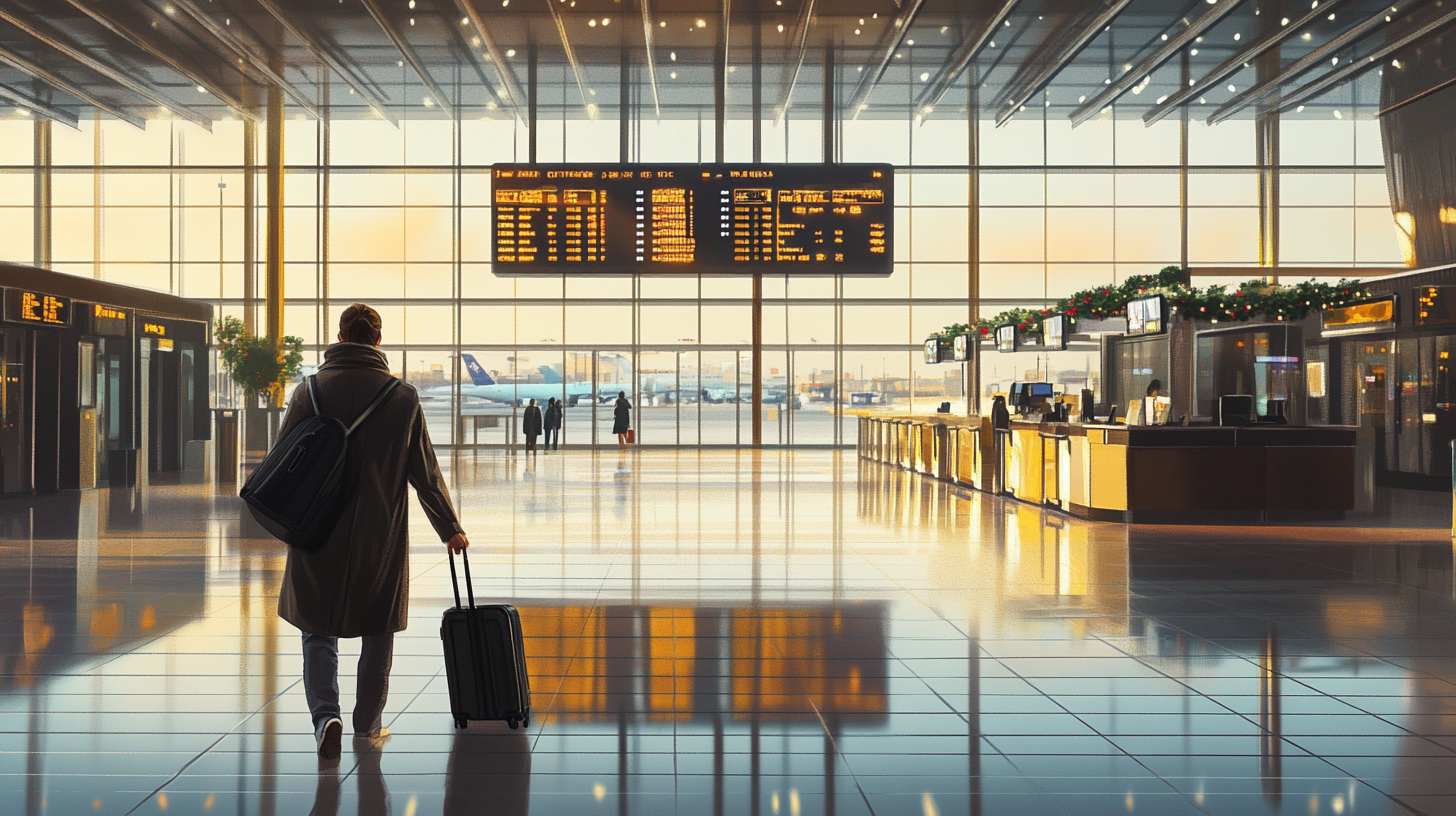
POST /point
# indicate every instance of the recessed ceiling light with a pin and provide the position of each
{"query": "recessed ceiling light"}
(1232, 89)
(606, 21)
(781, 28)
(702, 23)
(510, 52)
(592, 23)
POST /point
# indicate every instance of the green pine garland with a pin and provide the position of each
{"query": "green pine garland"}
(1252, 298)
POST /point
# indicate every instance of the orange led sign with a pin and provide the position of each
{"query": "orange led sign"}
(36, 308)
(711, 218)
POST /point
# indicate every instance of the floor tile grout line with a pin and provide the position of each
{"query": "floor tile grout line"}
(215, 743)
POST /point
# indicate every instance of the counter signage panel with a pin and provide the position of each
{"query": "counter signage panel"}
(1054, 332)
(35, 308)
(1435, 305)
(1145, 316)
(1371, 315)
(1006, 338)
(690, 218)
(108, 320)
(961, 348)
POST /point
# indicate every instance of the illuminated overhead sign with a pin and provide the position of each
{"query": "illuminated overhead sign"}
(1435, 305)
(23, 306)
(154, 327)
(108, 320)
(1369, 316)
(690, 218)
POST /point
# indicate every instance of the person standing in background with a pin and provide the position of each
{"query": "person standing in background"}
(553, 424)
(531, 425)
(622, 419)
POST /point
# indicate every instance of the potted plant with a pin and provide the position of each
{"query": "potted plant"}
(260, 366)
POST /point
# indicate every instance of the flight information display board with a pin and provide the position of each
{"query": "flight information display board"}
(690, 218)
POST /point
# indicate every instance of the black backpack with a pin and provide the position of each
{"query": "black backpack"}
(297, 492)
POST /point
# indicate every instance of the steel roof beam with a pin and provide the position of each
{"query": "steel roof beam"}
(1375, 58)
(651, 58)
(1269, 87)
(244, 53)
(410, 55)
(894, 37)
(133, 85)
(1236, 63)
(477, 60)
(167, 58)
(1144, 70)
(497, 57)
(325, 53)
(591, 107)
(796, 63)
(36, 106)
(60, 83)
(960, 59)
(1079, 42)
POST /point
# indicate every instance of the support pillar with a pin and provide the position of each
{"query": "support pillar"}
(531, 96)
(41, 202)
(273, 294)
(756, 354)
(1266, 127)
(972, 376)
(250, 224)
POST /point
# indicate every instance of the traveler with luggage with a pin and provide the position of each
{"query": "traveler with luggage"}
(622, 420)
(351, 580)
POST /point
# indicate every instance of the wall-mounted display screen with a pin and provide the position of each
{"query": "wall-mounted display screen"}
(1145, 316)
(691, 218)
(108, 320)
(1435, 305)
(1371, 315)
(1054, 332)
(962, 348)
(1006, 338)
(36, 308)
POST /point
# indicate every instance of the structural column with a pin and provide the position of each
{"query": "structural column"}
(41, 202)
(273, 295)
(250, 224)
(756, 353)
(972, 376)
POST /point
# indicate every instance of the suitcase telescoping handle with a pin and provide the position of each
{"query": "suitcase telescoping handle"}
(455, 582)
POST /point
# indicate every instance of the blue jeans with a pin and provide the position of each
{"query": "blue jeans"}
(321, 679)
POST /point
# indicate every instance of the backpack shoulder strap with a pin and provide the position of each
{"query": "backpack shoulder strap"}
(313, 395)
(379, 400)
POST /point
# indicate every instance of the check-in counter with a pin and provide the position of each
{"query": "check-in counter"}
(1137, 474)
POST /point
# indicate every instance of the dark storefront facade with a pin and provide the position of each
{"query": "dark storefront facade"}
(100, 382)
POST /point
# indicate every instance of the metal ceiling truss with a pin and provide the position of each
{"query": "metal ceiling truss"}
(1143, 71)
(796, 63)
(411, 56)
(893, 38)
(581, 87)
(1374, 59)
(38, 107)
(512, 88)
(246, 54)
(967, 52)
(1079, 42)
(140, 89)
(651, 58)
(60, 83)
(167, 57)
(325, 54)
(1268, 88)
(725, 26)
(478, 61)
(1237, 62)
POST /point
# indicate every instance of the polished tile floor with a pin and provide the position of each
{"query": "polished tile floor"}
(721, 632)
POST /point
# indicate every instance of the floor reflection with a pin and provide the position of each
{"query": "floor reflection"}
(729, 632)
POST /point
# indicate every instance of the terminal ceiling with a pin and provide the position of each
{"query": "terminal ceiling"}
(205, 60)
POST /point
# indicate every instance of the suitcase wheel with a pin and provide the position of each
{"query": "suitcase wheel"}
(526, 722)
(459, 722)
(513, 723)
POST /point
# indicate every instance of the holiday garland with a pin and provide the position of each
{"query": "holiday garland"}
(1252, 298)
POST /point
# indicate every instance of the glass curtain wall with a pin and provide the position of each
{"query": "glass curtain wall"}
(399, 217)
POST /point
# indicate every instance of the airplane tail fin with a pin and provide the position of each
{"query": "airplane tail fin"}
(476, 370)
(549, 375)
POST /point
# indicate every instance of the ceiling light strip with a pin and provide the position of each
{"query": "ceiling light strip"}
(1154, 61)
(1083, 39)
(894, 37)
(326, 55)
(796, 64)
(1235, 63)
(651, 60)
(1270, 87)
(35, 71)
(107, 71)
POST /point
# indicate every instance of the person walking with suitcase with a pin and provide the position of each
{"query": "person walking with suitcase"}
(622, 419)
(553, 424)
(531, 425)
(357, 583)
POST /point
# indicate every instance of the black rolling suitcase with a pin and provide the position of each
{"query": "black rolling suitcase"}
(485, 659)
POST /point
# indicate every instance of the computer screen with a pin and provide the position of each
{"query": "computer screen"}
(1043, 390)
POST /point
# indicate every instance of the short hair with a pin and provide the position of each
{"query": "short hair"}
(360, 324)
(621, 395)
